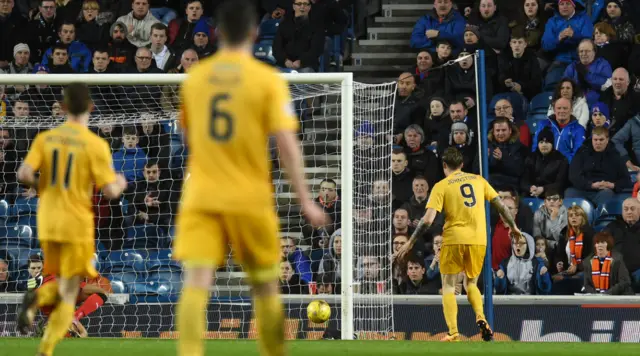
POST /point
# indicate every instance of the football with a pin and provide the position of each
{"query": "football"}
(318, 311)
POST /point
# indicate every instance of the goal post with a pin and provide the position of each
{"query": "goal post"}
(360, 105)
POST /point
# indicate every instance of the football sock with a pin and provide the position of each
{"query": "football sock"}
(450, 308)
(90, 305)
(191, 321)
(47, 294)
(270, 322)
(475, 299)
(57, 328)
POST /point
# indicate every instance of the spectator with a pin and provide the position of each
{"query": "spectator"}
(326, 285)
(401, 223)
(519, 68)
(299, 41)
(416, 283)
(164, 57)
(121, 51)
(433, 263)
(501, 238)
(599, 118)
(568, 134)
(543, 250)
(154, 199)
(39, 97)
(604, 271)
(532, 22)
(12, 31)
(399, 270)
(575, 246)
(20, 63)
(330, 201)
(68, 10)
(551, 218)
(624, 30)
(401, 177)
(91, 32)
(442, 23)
(181, 29)
(299, 261)
(564, 31)
(408, 108)
(369, 276)
(598, 171)
(188, 58)
(522, 272)
(422, 161)
(504, 108)
(153, 140)
(101, 62)
(629, 132)
(459, 112)
(545, 168)
(625, 230)
(290, 282)
(506, 153)
(460, 81)
(569, 90)
(332, 260)
(144, 62)
(163, 10)
(35, 266)
(130, 159)
(437, 123)
(493, 27)
(443, 52)
(622, 100)
(589, 72)
(461, 138)
(430, 80)
(138, 23)
(201, 43)
(56, 111)
(614, 52)
(418, 202)
(6, 284)
(79, 54)
(110, 134)
(60, 60)
(43, 28)
(333, 17)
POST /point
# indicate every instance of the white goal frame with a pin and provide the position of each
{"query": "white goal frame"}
(346, 157)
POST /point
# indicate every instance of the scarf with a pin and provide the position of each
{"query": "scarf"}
(575, 246)
(532, 24)
(600, 276)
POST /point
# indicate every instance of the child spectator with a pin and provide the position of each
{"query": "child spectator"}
(130, 159)
(523, 273)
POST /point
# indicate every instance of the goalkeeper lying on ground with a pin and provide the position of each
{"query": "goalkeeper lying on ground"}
(93, 294)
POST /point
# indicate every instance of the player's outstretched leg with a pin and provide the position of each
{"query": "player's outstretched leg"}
(270, 318)
(46, 295)
(62, 315)
(192, 309)
(475, 299)
(90, 305)
(450, 306)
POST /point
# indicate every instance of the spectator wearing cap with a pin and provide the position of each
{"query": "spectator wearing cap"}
(623, 101)
(589, 72)
(436, 123)
(504, 108)
(12, 31)
(564, 31)
(599, 118)
(201, 43)
(20, 63)
(164, 57)
(91, 32)
(519, 68)
(43, 28)
(299, 40)
(597, 172)
(121, 51)
(493, 27)
(443, 22)
(545, 168)
(409, 108)
(629, 132)
(607, 47)
(567, 132)
(60, 60)
(615, 15)
(79, 54)
(138, 23)
(506, 153)
(605, 271)
(569, 90)
(422, 161)
(461, 138)
(181, 30)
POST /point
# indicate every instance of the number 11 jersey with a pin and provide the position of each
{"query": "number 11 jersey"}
(461, 196)
(72, 160)
(231, 104)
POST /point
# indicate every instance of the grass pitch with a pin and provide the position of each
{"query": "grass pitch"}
(156, 347)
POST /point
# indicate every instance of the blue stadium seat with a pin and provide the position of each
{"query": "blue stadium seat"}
(145, 237)
(584, 204)
(532, 122)
(125, 279)
(264, 52)
(609, 211)
(4, 210)
(174, 278)
(540, 104)
(123, 261)
(17, 236)
(118, 286)
(102, 251)
(268, 29)
(553, 77)
(533, 203)
(162, 261)
(151, 287)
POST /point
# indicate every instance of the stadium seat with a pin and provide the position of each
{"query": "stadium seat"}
(553, 77)
(540, 104)
(162, 261)
(118, 286)
(151, 287)
(584, 204)
(123, 261)
(17, 236)
(126, 278)
(102, 251)
(608, 212)
(264, 52)
(174, 278)
(532, 122)
(4, 210)
(268, 29)
(533, 203)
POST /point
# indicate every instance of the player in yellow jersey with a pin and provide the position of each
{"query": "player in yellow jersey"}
(231, 104)
(461, 196)
(71, 160)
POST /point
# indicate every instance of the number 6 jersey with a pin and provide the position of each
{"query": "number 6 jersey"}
(461, 197)
(72, 160)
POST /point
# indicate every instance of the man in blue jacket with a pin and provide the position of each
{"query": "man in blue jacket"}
(564, 31)
(568, 134)
(299, 261)
(79, 53)
(443, 22)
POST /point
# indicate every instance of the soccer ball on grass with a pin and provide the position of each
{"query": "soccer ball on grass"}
(318, 311)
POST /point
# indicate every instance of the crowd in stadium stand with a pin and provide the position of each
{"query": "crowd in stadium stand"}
(564, 132)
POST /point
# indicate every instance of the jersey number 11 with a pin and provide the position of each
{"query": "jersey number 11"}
(54, 169)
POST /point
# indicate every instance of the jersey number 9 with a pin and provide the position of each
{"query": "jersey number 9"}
(54, 169)
(468, 194)
(220, 131)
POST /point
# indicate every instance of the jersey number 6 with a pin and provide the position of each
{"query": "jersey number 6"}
(54, 169)
(220, 131)
(468, 194)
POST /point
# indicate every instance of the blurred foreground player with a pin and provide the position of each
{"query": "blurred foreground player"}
(71, 160)
(460, 196)
(231, 104)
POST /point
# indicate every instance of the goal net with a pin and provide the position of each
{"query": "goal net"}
(345, 137)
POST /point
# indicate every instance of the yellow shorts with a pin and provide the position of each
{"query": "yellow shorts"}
(205, 239)
(66, 260)
(462, 258)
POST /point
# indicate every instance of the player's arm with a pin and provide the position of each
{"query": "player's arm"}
(504, 212)
(105, 178)
(27, 176)
(423, 225)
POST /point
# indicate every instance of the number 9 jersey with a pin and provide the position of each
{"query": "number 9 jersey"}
(461, 197)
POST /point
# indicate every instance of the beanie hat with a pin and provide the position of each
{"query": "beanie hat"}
(20, 47)
(546, 135)
(601, 108)
(571, 1)
(473, 29)
(201, 26)
(460, 126)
